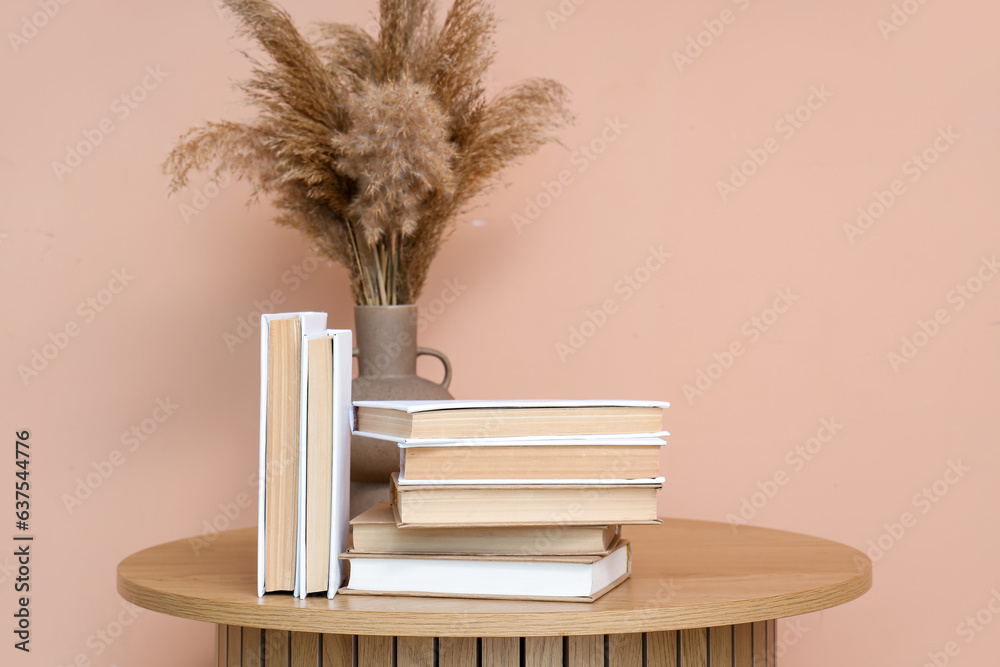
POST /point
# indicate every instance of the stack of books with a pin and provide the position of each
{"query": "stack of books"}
(305, 430)
(507, 499)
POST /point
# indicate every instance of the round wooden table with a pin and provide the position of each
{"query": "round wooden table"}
(701, 594)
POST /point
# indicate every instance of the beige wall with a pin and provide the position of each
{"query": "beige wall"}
(664, 133)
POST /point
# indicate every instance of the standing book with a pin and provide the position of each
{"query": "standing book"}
(282, 427)
(324, 464)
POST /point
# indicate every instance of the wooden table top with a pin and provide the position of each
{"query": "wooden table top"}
(685, 574)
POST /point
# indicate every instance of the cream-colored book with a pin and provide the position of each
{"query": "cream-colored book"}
(324, 464)
(375, 531)
(452, 420)
(569, 459)
(282, 431)
(524, 504)
(562, 578)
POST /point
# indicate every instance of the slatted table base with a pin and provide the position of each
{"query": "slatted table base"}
(744, 645)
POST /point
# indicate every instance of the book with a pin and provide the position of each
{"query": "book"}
(375, 531)
(282, 425)
(524, 460)
(562, 578)
(406, 421)
(324, 463)
(615, 502)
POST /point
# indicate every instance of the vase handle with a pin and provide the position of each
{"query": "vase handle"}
(444, 360)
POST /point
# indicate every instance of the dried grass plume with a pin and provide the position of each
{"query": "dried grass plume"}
(372, 145)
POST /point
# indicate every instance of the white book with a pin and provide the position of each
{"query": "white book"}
(324, 462)
(340, 514)
(566, 578)
(308, 323)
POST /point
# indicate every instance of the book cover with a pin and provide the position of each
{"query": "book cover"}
(546, 578)
(282, 420)
(324, 462)
(437, 421)
(375, 531)
(479, 504)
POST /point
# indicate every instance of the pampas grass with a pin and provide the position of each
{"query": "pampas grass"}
(371, 146)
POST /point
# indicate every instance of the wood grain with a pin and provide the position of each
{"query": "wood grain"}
(724, 578)
(305, 649)
(743, 645)
(374, 652)
(251, 647)
(338, 651)
(415, 652)
(586, 651)
(501, 652)
(720, 642)
(772, 639)
(625, 650)
(661, 649)
(760, 644)
(457, 652)
(234, 646)
(543, 651)
(276, 648)
(694, 648)
(221, 645)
